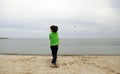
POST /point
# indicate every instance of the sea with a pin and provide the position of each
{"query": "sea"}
(68, 46)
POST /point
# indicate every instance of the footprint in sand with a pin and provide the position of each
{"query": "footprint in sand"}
(112, 70)
(70, 63)
(25, 59)
(63, 64)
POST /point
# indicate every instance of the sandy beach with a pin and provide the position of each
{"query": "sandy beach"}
(29, 64)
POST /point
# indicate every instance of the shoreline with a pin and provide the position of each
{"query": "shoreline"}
(59, 54)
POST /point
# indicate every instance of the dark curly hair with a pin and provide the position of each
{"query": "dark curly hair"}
(54, 28)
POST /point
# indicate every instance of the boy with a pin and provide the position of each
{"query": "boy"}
(54, 42)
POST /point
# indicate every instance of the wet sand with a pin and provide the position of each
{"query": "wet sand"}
(26, 64)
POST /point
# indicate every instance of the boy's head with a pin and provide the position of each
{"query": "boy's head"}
(54, 28)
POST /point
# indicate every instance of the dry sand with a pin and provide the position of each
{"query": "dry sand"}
(16, 64)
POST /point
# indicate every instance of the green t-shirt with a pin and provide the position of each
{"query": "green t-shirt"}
(54, 40)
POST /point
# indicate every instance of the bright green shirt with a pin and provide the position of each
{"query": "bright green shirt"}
(54, 40)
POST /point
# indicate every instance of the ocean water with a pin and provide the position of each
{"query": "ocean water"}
(68, 46)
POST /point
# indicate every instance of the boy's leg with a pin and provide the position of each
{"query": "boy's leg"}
(54, 50)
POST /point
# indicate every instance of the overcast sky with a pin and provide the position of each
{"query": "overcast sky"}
(75, 18)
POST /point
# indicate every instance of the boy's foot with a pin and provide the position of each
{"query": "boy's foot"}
(53, 66)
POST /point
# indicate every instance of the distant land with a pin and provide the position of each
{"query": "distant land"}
(4, 38)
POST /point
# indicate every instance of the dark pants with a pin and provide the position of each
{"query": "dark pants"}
(54, 50)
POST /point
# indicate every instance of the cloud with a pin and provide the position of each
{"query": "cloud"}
(91, 17)
(54, 8)
(10, 30)
(18, 33)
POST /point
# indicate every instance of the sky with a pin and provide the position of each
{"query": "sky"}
(75, 18)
